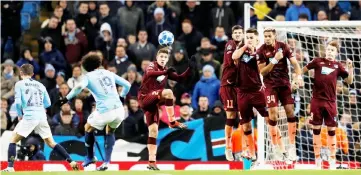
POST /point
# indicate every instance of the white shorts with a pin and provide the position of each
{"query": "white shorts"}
(112, 118)
(41, 127)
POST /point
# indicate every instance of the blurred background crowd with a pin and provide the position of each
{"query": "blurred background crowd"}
(53, 37)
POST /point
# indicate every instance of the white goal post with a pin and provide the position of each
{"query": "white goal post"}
(307, 39)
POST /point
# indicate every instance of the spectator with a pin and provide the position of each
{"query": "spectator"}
(134, 78)
(203, 111)
(142, 49)
(121, 61)
(134, 125)
(279, 8)
(66, 121)
(197, 16)
(131, 18)
(63, 92)
(296, 9)
(302, 17)
(185, 113)
(143, 66)
(112, 68)
(356, 12)
(262, 9)
(179, 60)
(92, 31)
(122, 42)
(205, 45)
(49, 80)
(333, 10)
(53, 56)
(66, 13)
(222, 16)
(83, 17)
(186, 99)
(208, 86)
(105, 42)
(93, 9)
(190, 37)
(83, 114)
(131, 39)
(168, 14)
(219, 40)
(177, 88)
(59, 13)
(322, 16)
(106, 18)
(6, 121)
(35, 152)
(280, 18)
(9, 76)
(157, 25)
(207, 59)
(355, 105)
(218, 110)
(53, 31)
(345, 16)
(54, 93)
(77, 77)
(253, 19)
(75, 41)
(11, 26)
(27, 58)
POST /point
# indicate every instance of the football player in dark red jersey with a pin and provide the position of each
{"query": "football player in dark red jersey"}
(272, 57)
(152, 94)
(323, 103)
(227, 91)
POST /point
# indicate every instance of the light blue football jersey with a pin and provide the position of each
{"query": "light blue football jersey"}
(102, 84)
(31, 99)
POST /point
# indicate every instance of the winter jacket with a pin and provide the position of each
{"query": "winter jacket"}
(106, 47)
(8, 84)
(34, 63)
(81, 20)
(74, 50)
(55, 34)
(278, 10)
(146, 52)
(191, 41)
(121, 64)
(74, 121)
(49, 83)
(92, 32)
(294, 11)
(154, 29)
(55, 58)
(208, 87)
(131, 19)
(117, 29)
(11, 18)
(222, 16)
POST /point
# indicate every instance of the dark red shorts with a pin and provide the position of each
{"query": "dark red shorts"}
(249, 100)
(228, 96)
(323, 111)
(150, 105)
(282, 94)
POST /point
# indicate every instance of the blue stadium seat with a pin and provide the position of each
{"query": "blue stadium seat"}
(25, 21)
(32, 8)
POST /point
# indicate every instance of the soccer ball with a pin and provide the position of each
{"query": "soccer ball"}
(166, 38)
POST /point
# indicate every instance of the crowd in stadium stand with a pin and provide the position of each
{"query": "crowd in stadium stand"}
(125, 35)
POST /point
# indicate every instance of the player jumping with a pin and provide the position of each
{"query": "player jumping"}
(323, 103)
(109, 109)
(31, 99)
(227, 91)
(152, 95)
(249, 87)
(272, 58)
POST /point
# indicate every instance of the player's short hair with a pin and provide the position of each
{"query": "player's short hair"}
(334, 43)
(270, 30)
(237, 27)
(91, 62)
(252, 30)
(27, 69)
(163, 50)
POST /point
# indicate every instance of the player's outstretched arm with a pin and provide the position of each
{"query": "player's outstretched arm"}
(77, 89)
(349, 79)
(239, 52)
(18, 105)
(124, 83)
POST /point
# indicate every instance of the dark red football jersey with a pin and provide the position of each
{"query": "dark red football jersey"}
(326, 74)
(279, 74)
(249, 79)
(229, 68)
(155, 78)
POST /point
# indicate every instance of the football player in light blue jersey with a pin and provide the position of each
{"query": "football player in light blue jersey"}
(109, 109)
(31, 99)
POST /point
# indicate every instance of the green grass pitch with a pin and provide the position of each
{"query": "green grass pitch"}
(233, 172)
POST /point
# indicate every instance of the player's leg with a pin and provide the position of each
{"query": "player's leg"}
(229, 98)
(43, 129)
(285, 96)
(168, 97)
(330, 114)
(152, 146)
(316, 122)
(118, 116)
(272, 104)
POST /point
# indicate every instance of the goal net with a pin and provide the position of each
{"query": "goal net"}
(307, 40)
